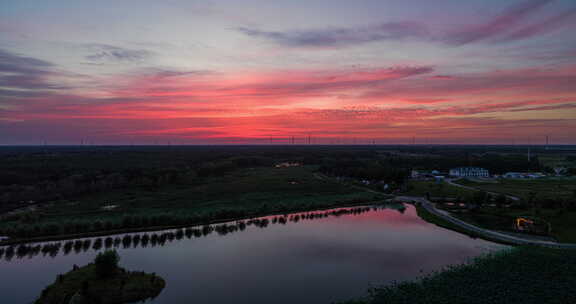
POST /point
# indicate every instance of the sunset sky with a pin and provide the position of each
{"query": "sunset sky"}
(245, 71)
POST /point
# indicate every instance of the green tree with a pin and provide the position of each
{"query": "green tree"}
(106, 263)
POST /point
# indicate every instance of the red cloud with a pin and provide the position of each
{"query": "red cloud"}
(392, 103)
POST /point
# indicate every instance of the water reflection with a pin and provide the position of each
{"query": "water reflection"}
(161, 238)
(309, 257)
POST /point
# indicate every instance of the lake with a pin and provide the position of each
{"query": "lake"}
(310, 257)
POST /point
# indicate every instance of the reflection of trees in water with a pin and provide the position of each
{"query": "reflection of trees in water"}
(153, 239)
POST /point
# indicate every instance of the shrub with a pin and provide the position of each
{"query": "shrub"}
(106, 263)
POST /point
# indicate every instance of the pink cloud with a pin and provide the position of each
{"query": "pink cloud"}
(250, 107)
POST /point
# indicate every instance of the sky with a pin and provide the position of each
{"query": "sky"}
(264, 71)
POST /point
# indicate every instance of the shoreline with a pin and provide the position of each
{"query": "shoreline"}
(9, 242)
(486, 234)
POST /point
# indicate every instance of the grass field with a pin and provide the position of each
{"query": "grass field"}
(520, 275)
(241, 189)
(242, 192)
(544, 188)
(420, 188)
(556, 160)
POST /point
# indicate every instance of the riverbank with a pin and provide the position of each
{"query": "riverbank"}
(526, 275)
(9, 242)
(487, 234)
(548, 199)
(248, 193)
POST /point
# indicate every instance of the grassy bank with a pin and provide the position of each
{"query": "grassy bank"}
(521, 275)
(244, 193)
(438, 221)
(433, 219)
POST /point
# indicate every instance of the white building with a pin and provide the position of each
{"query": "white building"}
(518, 175)
(469, 172)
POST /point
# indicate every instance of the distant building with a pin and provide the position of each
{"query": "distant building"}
(518, 175)
(469, 172)
(426, 175)
(288, 164)
(513, 175)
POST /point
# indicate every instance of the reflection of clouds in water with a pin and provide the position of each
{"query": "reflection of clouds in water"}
(403, 217)
(375, 251)
(320, 257)
(381, 225)
(161, 238)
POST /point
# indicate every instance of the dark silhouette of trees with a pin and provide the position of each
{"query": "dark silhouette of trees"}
(106, 263)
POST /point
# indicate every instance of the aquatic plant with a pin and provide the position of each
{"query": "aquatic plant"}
(525, 275)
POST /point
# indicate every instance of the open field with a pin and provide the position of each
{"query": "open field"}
(241, 193)
(421, 188)
(555, 188)
(558, 160)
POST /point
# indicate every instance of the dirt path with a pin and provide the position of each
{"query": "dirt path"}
(514, 198)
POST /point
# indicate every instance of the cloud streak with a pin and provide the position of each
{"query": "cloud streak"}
(109, 53)
(510, 19)
(22, 76)
(510, 25)
(548, 25)
(338, 37)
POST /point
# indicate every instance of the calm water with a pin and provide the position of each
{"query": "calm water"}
(319, 260)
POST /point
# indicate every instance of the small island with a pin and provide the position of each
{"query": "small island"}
(102, 282)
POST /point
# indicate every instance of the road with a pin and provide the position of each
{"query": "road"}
(489, 234)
